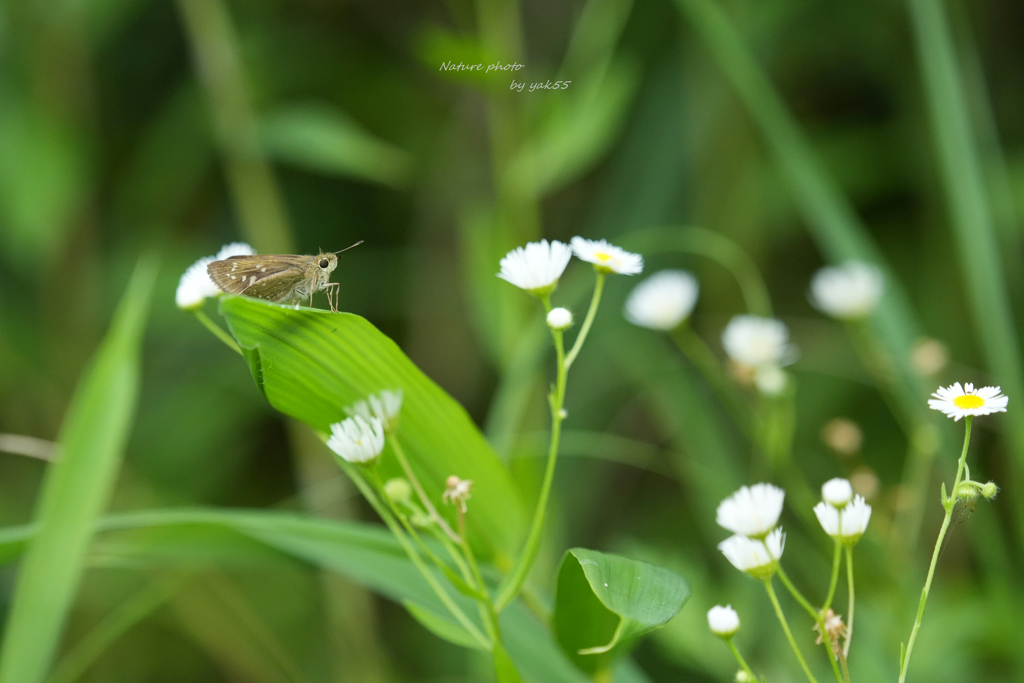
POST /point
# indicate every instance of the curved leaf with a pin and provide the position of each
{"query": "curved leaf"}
(441, 627)
(310, 364)
(603, 602)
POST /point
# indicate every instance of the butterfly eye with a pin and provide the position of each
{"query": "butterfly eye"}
(324, 263)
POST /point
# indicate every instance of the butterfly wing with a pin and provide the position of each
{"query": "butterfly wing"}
(264, 276)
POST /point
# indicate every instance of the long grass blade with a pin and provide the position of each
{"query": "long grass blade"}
(76, 489)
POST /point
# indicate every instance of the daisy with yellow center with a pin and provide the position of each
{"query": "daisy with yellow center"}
(958, 401)
(607, 258)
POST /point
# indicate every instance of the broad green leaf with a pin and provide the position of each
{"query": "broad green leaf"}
(327, 140)
(603, 602)
(367, 554)
(441, 627)
(76, 489)
(310, 364)
(505, 670)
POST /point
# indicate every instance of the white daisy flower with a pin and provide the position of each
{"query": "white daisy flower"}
(960, 401)
(606, 257)
(752, 510)
(234, 249)
(847, 292)
(723, 621)
(357, 440)
(846, 524)
(196, 286)
(753, 556)
(385, 406)
(537, 266)
(663, 301)
(837, 492)
(756, 342)
(560, 318)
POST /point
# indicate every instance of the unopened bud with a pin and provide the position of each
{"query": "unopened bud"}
(967, 492)
(398, 491)
(560, 318)
(989, 490)
(743, 677)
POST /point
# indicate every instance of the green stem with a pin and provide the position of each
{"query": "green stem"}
(581, 337)
(739, 658)
(396, 446)
(947, 503)
(694, 348)
(785, 628)
(836, 559)
(819, 619)
(446, 599)
(217, 331)
(514, 581)
(487, 610)
(849, 588)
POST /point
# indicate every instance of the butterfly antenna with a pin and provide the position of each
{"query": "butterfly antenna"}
(347, 248)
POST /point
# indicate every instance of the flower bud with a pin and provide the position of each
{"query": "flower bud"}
(398, 490)
(989, 490)
(723, 621)
(560, 319)
(837, 492)
(743, 677)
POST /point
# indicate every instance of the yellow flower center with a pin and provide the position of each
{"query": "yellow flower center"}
(601, 256)
(968, 401)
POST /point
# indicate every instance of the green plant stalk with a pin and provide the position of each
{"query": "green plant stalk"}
(694, 348)
(739, 658)
(396, 446)
(361, 483)
(836, 559)
(968, 197)
(817, 616)
(217, 330)
(216, 50)
(849, 588)
(516, 578)
(487, 611)
(595, 301)
(948, 504)
(785, 628)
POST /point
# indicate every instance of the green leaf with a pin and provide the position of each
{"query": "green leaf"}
(365, 553)
(441, 627)
(329, 141)
(505, 670)
(76, 489)
(604, 602)
(310, 364)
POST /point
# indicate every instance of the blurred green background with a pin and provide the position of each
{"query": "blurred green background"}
(801, 132)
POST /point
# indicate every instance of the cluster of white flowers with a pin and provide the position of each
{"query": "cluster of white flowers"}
(760, 347)
(842, 515)
(752, 514)
(537, 267)
(196, 286)
(360, 437)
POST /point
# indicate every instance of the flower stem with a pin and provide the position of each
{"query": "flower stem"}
(739, 658)
(515, 579)
(948, 503)
(849, 588)
(785, 628)
(836, 559)
(396, 446)
(594, 303)
(217, 331)
(819, 619)
(428, 576)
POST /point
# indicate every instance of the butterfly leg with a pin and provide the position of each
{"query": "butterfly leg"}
(336, 289)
